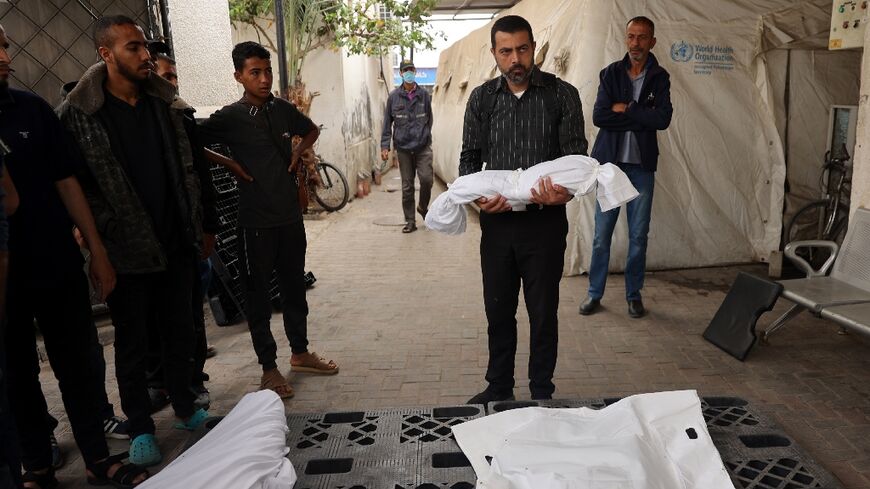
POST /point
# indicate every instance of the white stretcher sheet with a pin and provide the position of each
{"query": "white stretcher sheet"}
(579, 174)
(246, 450)
(647, 441)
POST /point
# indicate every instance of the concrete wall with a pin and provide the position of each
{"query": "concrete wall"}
(203, 43)
(365, 98)
(861, 169)
(349, 105)
(321, 76)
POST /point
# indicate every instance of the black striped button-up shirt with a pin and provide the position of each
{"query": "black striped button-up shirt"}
(520, 131)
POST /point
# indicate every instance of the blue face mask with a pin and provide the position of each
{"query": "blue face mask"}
(409, 76)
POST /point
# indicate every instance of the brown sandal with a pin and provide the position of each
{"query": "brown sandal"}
(315, 364)
(274, 381)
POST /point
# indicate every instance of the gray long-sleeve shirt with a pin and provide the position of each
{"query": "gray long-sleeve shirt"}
(408, 119)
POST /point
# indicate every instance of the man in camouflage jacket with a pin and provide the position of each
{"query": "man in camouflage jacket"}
(121, 218)
(139, 178)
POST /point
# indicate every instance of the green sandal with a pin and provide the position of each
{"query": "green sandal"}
(144, 451)
(194, 422)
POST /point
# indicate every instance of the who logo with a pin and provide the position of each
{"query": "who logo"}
(681, 51)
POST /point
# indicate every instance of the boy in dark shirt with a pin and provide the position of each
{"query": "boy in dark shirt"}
(258, 130)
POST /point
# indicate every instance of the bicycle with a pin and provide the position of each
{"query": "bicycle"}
(327, 184)
(827, 218)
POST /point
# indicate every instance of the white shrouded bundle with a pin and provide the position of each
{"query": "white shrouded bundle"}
(578, 174)
(648, 441)
(246, 450)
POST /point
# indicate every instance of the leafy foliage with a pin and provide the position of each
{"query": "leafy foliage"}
(369, 27)
(254, 13)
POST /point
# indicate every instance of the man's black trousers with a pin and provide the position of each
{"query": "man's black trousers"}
(154, 300)
(281, 249)
(155, 373)
(10, 459)
(522, 248)
(62, 309)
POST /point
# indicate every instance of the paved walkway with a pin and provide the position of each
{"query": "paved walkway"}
(403, 316)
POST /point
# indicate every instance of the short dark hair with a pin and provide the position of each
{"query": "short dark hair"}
(102, 26)
(511, 24)
(248, 49)
(640, 19)
(166, 58)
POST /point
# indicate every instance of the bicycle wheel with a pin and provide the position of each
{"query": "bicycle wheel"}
(808, 224)
(332, 195)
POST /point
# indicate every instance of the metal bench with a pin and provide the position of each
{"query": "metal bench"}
(853, 317)
(843, 296)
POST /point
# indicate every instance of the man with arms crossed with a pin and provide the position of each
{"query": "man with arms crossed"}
(633, 102)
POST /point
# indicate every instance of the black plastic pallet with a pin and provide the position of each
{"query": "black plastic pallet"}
(414, 448)
(408, 447)
(227, 293)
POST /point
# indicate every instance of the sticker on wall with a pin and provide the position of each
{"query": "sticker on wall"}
(705, 59)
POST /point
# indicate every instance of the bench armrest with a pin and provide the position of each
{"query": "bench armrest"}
(791, 253)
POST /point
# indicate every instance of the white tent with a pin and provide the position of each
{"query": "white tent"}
(751, 82)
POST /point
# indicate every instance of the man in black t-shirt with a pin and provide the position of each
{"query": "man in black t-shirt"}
(10, 460)
(46, 284)
(258, 130)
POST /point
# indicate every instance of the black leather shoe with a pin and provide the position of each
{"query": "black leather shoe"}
(422, 211)
(409, 228)
(635, 308)
(542, 397)
(488, 396)
(589, 306)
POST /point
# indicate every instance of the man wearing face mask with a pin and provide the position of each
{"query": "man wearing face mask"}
(409, 109)
(515, 121)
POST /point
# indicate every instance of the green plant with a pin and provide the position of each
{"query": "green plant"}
(371, 27)
(358, 26)
(254, 13)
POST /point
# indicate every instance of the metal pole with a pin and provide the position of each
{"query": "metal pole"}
(88, 9)
(167, 29)
(282, 47)
(149, 7)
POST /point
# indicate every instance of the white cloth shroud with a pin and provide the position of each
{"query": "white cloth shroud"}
(578, 174)
(647, 441)
(246, 450)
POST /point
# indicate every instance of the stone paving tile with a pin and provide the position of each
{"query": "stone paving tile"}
(403, 316)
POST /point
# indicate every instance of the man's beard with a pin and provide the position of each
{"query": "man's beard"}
(132, 75)
(517, 78)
